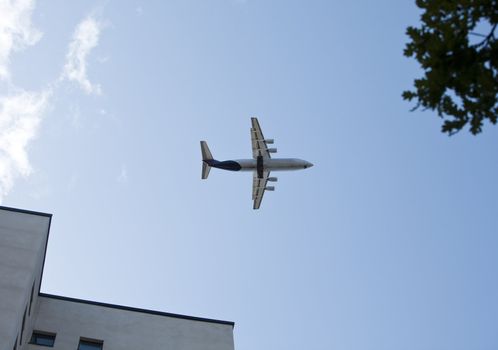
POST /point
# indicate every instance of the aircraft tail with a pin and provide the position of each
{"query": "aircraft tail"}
(206, 155)
(205, 170)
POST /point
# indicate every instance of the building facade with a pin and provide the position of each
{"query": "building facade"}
(32, 320)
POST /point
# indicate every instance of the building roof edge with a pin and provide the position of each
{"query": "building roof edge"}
(24, 211)
(135, 309)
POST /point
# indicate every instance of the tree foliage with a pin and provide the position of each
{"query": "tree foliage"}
(461, 65)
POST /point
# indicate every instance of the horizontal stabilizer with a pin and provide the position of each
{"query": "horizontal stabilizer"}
(205, 170)
(206, 153)
(206, 156)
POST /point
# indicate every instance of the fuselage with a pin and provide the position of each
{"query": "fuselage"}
(269, 164)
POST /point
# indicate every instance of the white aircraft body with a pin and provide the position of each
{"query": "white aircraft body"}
(261, 164)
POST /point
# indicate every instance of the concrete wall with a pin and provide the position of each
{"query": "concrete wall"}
(122, 329)
(23, 237)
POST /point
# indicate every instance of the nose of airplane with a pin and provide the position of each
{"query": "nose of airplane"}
(308, 165)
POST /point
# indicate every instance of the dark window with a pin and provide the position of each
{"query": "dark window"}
(31, 299)
(43, 338)
(89, 344)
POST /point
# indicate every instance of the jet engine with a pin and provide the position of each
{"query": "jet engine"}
(269, 141)
(272, 150)
(270, 188)
(272, 179)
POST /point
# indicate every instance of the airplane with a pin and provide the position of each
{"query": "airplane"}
(261, 165)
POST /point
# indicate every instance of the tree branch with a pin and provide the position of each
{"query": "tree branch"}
(488, 37)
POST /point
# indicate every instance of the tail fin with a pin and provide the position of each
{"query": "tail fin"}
(206, 155)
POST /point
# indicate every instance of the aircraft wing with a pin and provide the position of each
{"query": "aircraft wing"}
(259, 146)
(258, 188)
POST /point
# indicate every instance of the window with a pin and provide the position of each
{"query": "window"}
(43, 338)
(90, 344)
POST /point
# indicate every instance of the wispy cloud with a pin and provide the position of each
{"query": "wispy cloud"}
(74, 116)
(123, 175)
(85, 38)
(21, 112)
(20, 117)
(16, 30)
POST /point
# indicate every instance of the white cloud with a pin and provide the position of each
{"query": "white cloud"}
(103, 59)
(21, 112)
(123, 175)
(20, 117)
(74, 115)
(16, 30)
(85, 38)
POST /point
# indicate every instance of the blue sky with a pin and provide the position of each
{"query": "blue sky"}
(388, 242)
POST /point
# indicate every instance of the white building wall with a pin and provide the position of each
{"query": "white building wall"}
(23, 238)
(122, 329)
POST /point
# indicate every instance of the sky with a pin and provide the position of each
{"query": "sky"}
(388, 242)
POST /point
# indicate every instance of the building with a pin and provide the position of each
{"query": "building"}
(32, 320)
